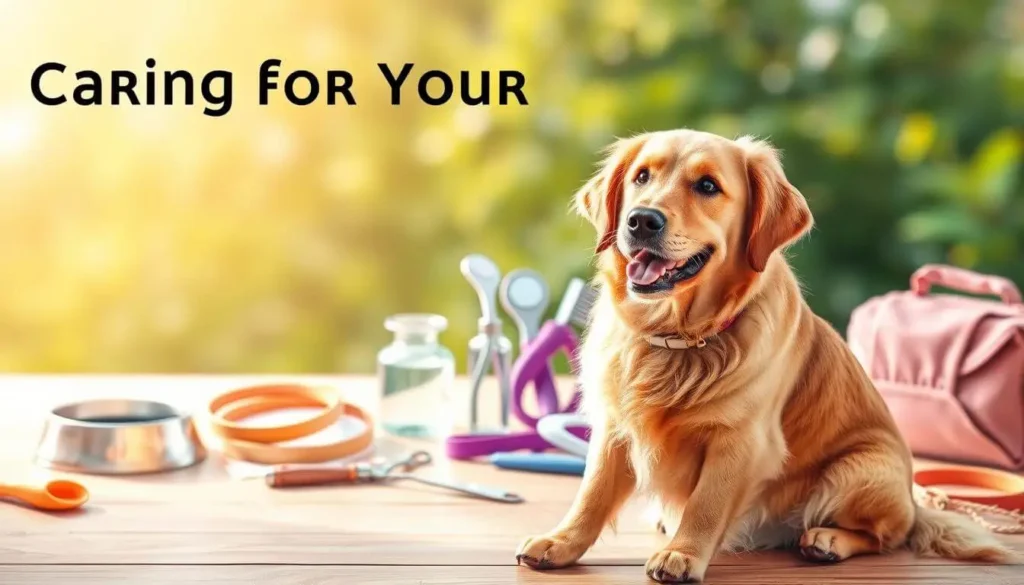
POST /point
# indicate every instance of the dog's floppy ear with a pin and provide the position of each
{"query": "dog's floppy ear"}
(778, 213)
(600, 200)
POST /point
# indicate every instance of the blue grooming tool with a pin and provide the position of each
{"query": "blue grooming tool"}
(540, 462)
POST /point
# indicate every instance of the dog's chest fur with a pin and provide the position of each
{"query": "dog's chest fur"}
(665, 402)
(666, 405)
(667, 450)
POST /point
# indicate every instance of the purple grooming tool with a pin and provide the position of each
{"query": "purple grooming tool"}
(530, 367)
(533, 366)
(534, 362)
(478, 445)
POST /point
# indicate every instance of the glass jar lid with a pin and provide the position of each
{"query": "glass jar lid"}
(416, 323)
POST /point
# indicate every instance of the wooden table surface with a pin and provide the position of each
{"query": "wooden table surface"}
(200, 525)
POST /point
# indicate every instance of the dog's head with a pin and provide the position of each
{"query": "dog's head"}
(687, 215)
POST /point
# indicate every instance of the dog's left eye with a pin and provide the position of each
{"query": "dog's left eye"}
(642, 176)
(708, 186)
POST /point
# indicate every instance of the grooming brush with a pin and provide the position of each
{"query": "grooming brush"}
(489, 346)
(576, 303)
(524, 295)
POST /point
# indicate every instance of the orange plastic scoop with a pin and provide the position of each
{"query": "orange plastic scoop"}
(55, 495)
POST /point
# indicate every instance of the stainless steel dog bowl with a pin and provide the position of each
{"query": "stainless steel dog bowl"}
(119, 437)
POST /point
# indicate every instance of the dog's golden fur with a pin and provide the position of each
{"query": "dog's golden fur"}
(771, 433)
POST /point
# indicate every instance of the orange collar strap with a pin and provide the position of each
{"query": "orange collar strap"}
(259, 444)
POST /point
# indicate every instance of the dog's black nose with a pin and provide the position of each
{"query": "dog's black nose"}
(645, 223)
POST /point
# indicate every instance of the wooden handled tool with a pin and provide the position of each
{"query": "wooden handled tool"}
(284, 477)
(309, 476)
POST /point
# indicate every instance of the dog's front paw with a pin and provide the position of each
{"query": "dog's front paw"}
(819, 544)
(670, 566)
(551, 551)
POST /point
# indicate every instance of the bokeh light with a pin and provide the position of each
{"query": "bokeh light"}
(279, 237)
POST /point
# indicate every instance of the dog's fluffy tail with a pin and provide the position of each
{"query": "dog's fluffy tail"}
(954, 536)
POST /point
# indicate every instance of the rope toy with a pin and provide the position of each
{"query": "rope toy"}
(931, 497)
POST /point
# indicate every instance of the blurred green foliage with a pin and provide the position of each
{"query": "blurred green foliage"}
(901, 121)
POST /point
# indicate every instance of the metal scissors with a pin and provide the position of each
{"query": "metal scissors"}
(293, 476)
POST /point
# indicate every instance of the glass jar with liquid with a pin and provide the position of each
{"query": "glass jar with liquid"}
(416, 375)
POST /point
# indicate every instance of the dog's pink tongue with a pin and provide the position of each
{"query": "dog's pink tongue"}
(645, 268)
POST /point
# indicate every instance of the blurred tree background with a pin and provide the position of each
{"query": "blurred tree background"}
(278, 238)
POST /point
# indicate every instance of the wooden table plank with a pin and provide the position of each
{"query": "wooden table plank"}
(303, 518)
(853, 572)
(305, 533)
(200, 525)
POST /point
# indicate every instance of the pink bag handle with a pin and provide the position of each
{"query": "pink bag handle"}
(963, 280)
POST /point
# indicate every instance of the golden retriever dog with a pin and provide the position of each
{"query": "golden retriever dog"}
(712, 387)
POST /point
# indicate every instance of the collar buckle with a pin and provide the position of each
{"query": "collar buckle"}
(675, 342)
(678, 342)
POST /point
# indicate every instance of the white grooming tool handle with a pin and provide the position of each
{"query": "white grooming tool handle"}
(553, 428)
